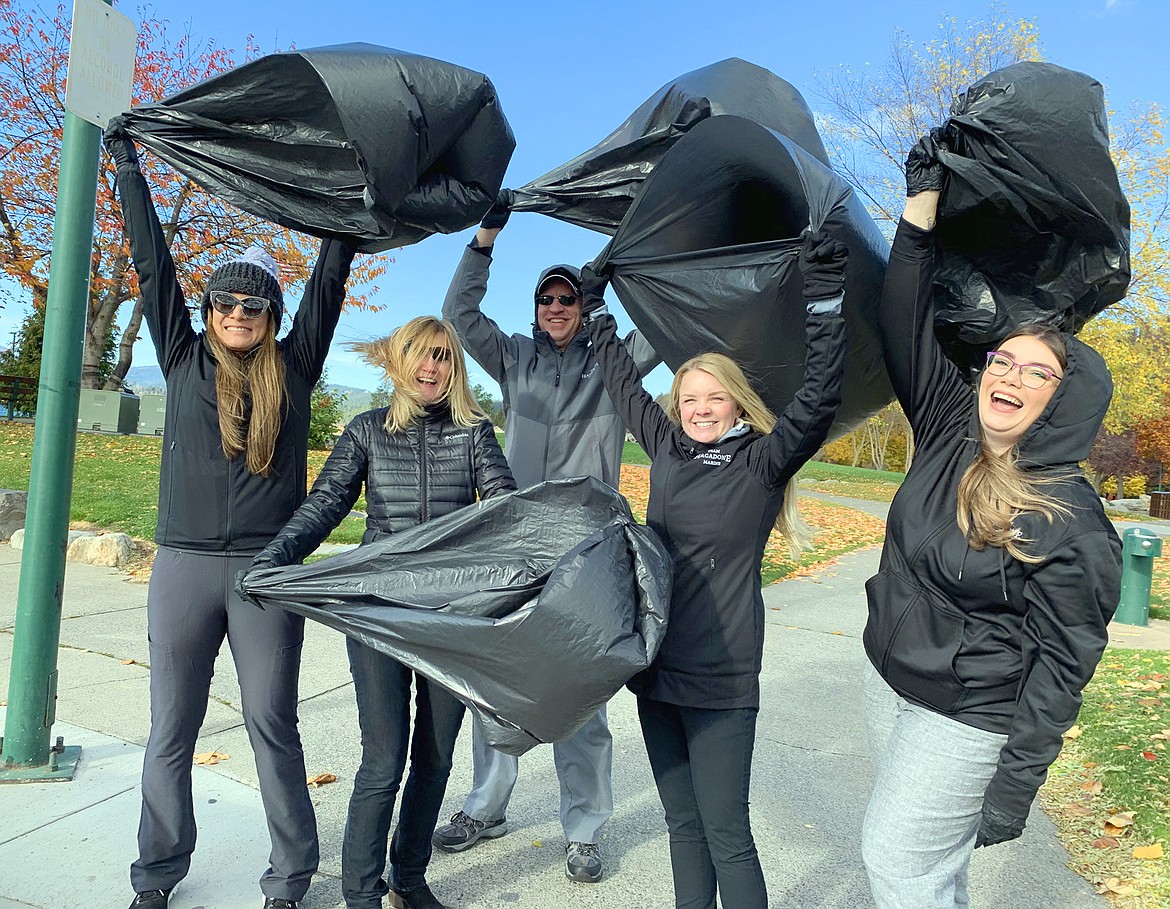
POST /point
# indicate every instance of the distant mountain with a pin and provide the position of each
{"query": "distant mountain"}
(145, 380)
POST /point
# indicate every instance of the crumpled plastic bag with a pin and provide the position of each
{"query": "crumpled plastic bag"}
(352, 140)
(1033, 224)
(596, 188)
(532, 608)
(706, 260)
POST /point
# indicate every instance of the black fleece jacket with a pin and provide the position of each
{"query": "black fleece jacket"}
(425, 471)
(713, 506)
(992, 642)
(207, 503)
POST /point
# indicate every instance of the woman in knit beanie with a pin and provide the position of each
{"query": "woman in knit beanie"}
(233, 472)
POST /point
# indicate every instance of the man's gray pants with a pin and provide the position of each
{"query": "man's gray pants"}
(190, 608)
(584, 765)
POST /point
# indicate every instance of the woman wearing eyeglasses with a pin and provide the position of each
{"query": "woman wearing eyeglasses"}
(233, 471)
(429, 453)
(998, 577)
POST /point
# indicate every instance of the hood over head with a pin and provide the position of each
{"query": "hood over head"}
(1063, 434)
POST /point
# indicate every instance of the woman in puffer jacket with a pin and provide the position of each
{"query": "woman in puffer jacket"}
(429, 453)
(998, 577)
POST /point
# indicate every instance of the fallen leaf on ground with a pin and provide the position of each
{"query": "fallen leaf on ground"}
(1105, 842)
(1073, 733)
(536, 844)
(1149, 755)
(321, 779)
(1115, 886)
(211, 757)
(1148, 852)
(1093, 787)
(129, 662)
(1121, 819)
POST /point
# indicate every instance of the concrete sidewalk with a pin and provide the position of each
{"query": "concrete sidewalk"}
(72, 843)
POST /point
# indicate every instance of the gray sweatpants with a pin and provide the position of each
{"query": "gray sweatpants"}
(584, 765)
(190, 608)
(920, 826)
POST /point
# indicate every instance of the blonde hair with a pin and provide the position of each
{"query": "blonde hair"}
(400, 354)
(994, 490)
(755, 413)
(257, 374)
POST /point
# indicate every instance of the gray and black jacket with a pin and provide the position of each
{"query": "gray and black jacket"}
(978, 636)
(559, 420)
(425, 471)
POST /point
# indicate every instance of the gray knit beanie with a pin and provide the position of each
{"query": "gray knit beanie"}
(254, 273)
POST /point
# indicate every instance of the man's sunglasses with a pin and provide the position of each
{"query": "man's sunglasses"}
(225, 304)
(563, 299)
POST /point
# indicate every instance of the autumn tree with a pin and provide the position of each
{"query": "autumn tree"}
(873, 116)
(200, 230)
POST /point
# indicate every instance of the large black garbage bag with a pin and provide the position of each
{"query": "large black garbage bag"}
(353, 140)
(1033, 224)
(706, 260)
(532, 608)
(596, 188)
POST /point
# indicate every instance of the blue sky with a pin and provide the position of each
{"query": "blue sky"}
(568, 74)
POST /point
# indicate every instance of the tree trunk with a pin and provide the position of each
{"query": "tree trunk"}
(126, 349)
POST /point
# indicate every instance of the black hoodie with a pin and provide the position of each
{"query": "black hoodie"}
(978, 636)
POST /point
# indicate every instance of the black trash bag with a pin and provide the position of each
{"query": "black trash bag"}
(596, 188)
(353, 140)
(532, 608)
(706, 260)
(1033, 224)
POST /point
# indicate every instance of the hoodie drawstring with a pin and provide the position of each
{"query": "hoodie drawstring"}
(1002, 569)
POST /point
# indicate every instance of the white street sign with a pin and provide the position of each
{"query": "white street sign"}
(101, 62)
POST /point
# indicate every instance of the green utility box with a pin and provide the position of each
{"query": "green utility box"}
(152, 413)
(1139, 548)
(107, 411)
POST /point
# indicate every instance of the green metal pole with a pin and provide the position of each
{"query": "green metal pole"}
(32, 679)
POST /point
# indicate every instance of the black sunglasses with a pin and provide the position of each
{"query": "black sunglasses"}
(563, 299)
(225, 304)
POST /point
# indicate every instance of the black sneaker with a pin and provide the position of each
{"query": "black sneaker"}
(583, 862)
(465, 831)
(422, 898)
(151, 899)
(274, 903)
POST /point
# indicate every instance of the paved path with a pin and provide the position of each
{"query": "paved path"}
(68, 843)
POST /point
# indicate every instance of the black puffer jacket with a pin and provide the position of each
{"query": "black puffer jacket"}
(995, 643)
(713, 507)
(207, 503)
(412, 476)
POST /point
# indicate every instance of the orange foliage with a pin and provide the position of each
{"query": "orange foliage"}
(34, 52)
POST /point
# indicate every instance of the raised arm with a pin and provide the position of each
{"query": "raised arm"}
(928, 385)
(480, 336)
(307, 344)
(803, 426)
(620, 374)
(163, 304)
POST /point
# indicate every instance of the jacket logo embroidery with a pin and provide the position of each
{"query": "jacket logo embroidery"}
(458, 435)
(586, 375)
(714, 457)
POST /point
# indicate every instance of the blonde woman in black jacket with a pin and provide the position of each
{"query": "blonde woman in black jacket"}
(721, 476)
(428, 454)
(998, 577)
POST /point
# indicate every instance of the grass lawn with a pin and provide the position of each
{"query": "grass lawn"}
(1109, 791)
